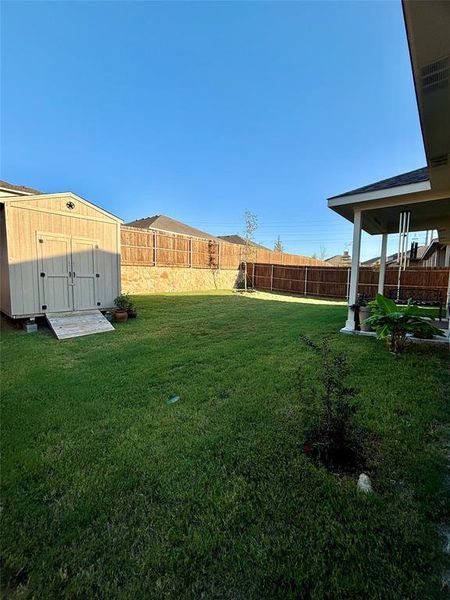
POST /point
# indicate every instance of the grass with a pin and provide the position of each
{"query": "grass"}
(108, 491)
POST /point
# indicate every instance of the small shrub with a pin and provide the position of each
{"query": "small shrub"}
(333, 437)
(123, 302)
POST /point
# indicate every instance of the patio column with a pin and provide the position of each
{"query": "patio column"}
(354, 276)
(383, 252)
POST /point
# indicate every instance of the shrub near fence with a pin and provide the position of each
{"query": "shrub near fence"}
(334, 282)
(160, 248)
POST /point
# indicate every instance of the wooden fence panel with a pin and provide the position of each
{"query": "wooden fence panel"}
(420, 283)
(136, 246)
(276, 271)
(172, 250)
(155, 247)
(231, 255)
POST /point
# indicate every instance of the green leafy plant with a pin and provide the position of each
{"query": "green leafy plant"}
(123, 302)
(393, 323)
(333, 437)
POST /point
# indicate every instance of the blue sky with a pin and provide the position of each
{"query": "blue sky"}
(200, 110)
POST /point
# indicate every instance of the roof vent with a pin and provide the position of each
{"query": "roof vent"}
(435, 76)
(439, 161)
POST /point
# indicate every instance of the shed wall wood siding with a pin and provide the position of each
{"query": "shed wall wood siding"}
(27, 218)
(5, 299)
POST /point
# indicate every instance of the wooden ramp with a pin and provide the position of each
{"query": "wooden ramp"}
(75, 324)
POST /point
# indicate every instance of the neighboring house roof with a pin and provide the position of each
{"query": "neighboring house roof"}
(404, 179)
(393, 257)
(432, 247)
(333, 257)
(340, 260)
(237, 239)
(164, 223)
(18, 188)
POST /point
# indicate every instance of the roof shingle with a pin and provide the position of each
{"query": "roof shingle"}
(170, 225)
(237, 239)
(404, 179)
(18, 188)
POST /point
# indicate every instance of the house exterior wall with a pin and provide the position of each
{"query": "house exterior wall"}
(27, 218)
(439, 258)
(148, 279)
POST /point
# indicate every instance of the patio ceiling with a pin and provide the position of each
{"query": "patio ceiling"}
(427, 215)
(430, 209)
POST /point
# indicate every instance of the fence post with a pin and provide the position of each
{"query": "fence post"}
(253, 276)
(154, 248)
(220, 255)
(348, 284)
(271, 279)
(190, 252)
(306, 280)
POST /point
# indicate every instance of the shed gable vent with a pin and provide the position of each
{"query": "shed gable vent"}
(435, 76)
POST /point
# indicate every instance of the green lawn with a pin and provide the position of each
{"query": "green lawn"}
(108, 491)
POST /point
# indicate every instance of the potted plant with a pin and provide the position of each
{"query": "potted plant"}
(365, 311)
(394, 323)
(122, 303)
(132, 312)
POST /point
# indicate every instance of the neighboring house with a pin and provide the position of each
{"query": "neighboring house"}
(9, 189)
(164, 223)
(436, 254)
(418, 200)
(340, 260)
(237, 239)
(392, 259)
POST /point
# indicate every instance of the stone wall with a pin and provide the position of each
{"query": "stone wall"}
(147, 280)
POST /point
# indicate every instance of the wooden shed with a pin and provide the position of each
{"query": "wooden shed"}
(58, 253)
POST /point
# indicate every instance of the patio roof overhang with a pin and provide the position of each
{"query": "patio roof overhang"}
(380, 209)
(427, 25)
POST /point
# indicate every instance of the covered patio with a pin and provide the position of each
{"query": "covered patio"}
(418, 200)
(400, 205)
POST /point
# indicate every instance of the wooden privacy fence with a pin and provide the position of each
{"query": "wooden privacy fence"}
(160, 248)
(420, 283)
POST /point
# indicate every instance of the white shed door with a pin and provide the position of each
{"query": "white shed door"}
(84, 274)
(67, 273)
(55, 263)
